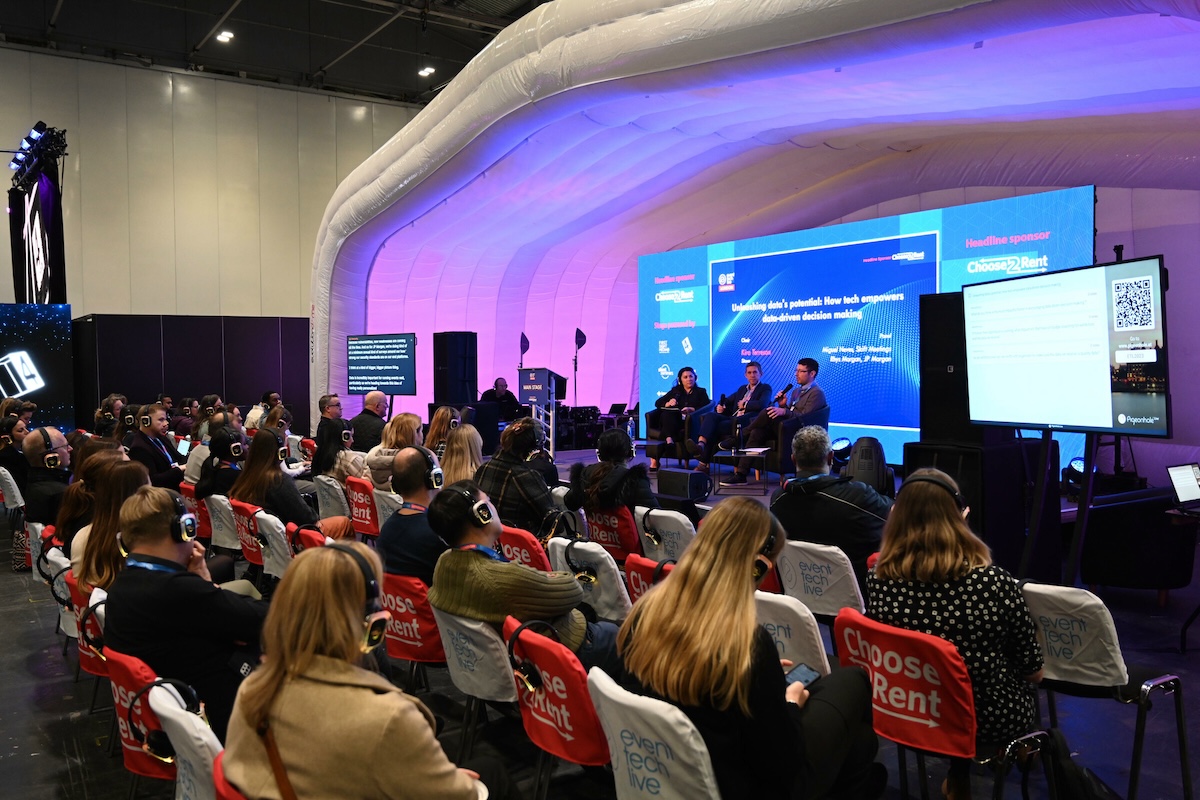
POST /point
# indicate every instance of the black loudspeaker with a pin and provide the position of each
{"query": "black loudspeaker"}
(684, 483)
(944, 413)
(455, 368)
(997, 482)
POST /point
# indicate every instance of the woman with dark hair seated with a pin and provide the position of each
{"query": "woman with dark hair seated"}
(515, 487)
(693, 640)
(674, 408)
(334, 456)
(600, 488)
(108, 413)
(12, 435)
(263, 483)
(935, 576)
(79, 500)
(443, 420)
(222, 468)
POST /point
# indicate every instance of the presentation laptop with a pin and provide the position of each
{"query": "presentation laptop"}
(1186, 480)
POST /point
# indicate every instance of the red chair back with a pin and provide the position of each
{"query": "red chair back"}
(90, 661)
(247, 530)
(309, 447)
(639, 575)
(128, 675)
(771, 582)
(615, 531)
(523, 547)
(225, 789)
(188, 492)
(558, 715)
(921, 692)
(362, 506)
(412, 632)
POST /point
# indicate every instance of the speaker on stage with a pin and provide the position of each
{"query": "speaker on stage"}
(455, 368)
(684, 483)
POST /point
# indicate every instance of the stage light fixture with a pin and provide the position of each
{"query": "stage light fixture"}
(19, 157)
(841, 451)
(26, 143)
(225, 37)
(36, 131)
(13, 165)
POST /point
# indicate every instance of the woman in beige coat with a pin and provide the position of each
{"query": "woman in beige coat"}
(340, 730)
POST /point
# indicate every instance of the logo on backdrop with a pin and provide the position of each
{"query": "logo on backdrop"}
(663, 347)
(665, 372)
(725, 282)
(687, 346)
(1009, 265)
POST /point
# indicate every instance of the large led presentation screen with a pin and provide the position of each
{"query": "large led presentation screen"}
(1083, 350)
(846, 295)
(36, 362)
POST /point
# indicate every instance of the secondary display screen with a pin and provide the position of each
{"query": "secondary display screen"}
(384, 362)
(36, 363)
(846, 295)
(1083, 350)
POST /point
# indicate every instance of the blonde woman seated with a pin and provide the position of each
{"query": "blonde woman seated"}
(339, 729)
(402, 430)
(935, 576)
(767, 738)
(464, 453)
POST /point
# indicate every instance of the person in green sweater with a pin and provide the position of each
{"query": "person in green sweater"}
(474, 580)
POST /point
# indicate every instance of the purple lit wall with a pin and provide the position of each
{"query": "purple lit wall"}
(520, 200)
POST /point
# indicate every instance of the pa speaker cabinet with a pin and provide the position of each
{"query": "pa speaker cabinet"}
(684, 483)
(455, 368)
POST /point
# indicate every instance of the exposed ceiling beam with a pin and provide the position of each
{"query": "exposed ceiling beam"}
(435, 11)
(363, 40)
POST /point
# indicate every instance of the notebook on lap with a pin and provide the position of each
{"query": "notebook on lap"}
(1186, 480)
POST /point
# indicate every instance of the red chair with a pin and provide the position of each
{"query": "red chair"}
(248, 536)
(362, 507)
(309, 447)
(615, 531)
(523, 547)
(922, 697)
(412, 633)
(641, 573)
(91, 659)
(129, 675)
(556, 707)
(188, 492)
(225, 789)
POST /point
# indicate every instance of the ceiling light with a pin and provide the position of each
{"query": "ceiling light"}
(425, 73)
(225, 37)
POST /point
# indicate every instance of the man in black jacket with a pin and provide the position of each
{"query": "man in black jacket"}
(741, 407)
(826, 509)
(49, 458)
(154, 448)
(368, 424)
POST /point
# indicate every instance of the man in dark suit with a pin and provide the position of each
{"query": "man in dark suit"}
(741, 406)
(368, 425)
(154, 448)
(49, 458)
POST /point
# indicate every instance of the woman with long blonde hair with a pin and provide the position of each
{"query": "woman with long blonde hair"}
(333, 722)
(464, 453)
(402, 430)
(694, 641)
(935, 576)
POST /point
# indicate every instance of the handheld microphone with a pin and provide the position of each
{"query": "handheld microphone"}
(722, 403)
(783, 392)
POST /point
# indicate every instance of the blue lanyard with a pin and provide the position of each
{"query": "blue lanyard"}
(486, 551)
(406, 506)
(137, 564)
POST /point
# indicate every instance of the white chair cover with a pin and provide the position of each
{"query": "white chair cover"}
(224, 529)
(673, 531)
(293, 446)
(820, 576)
(581, 524)
(1077, 634)
(195, 744)
(59, 564)
(671, 763)
(99, 597)
(277, 552)
(35, 530)
(386, 504)
(12, 493)
(608, 595)
(476, 658)
(331, 497)
(794, 629)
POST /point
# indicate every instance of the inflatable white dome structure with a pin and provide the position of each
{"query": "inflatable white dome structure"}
(594, 131)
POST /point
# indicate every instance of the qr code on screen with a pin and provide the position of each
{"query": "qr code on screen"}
(1133, 304)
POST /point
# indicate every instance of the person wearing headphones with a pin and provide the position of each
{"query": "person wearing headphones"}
(154, 448)
(12, 438)
(336, 456)
(517, 489)
(164, 608)
(315, 721)
(198, 455)
(675, 407)
(827, 509)
(510, 406)
(474, 580)
(49, 457)
(210, 404)
(935, 576)
(407, 545)
(611, 482)
(226, 452)
(445, 418)
(766, 737)
(108, 413)
(189, 412)
(368, 423)
(258, 413)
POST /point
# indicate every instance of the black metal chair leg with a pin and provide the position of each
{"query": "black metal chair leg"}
(1181, 729)
(902, 763)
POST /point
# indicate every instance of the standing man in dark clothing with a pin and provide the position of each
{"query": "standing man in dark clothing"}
(740, 407)
(806, 397)
(155, 450)
(49, 458)
(368, 425)
(510, 406)
(407, 545)
(825, 509)
(164, 608)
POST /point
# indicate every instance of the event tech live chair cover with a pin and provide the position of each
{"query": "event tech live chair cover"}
(820, 576)
(665, 534)
(922, 697)
(597, 574)
(794, 629)
(672, 761)
(331, 499)
(196, 746)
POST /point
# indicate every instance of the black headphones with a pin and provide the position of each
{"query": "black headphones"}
(6, 439)
(184, 525)
(155, 742)
(762, 559)
(50, 459)
(235, 449)
(525, 670)
(481, 512)
(584, 573)
(95, 644)
(375, 619)
(145, 418)
(210, 410)
(281, 453)
(649, 531)
(130, 419)
(454, 422)
(659, 569)
(434, 477)
(958, 498)
(347, 435)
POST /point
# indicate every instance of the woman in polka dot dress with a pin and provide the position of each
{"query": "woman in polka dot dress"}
(935, 576)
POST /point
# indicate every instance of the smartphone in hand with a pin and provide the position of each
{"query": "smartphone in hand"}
(803, 674)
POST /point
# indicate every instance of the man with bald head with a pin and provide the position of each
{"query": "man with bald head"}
(368, 426)
(407, 545)
(49, 458)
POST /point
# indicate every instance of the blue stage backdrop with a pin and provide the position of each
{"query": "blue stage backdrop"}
(845, 295)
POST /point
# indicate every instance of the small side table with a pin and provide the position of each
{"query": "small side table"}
(732, 457)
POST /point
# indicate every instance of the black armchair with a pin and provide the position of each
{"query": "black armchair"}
(656, 446)
(779, 457)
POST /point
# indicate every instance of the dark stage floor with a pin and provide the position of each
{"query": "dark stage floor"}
(52, 747)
